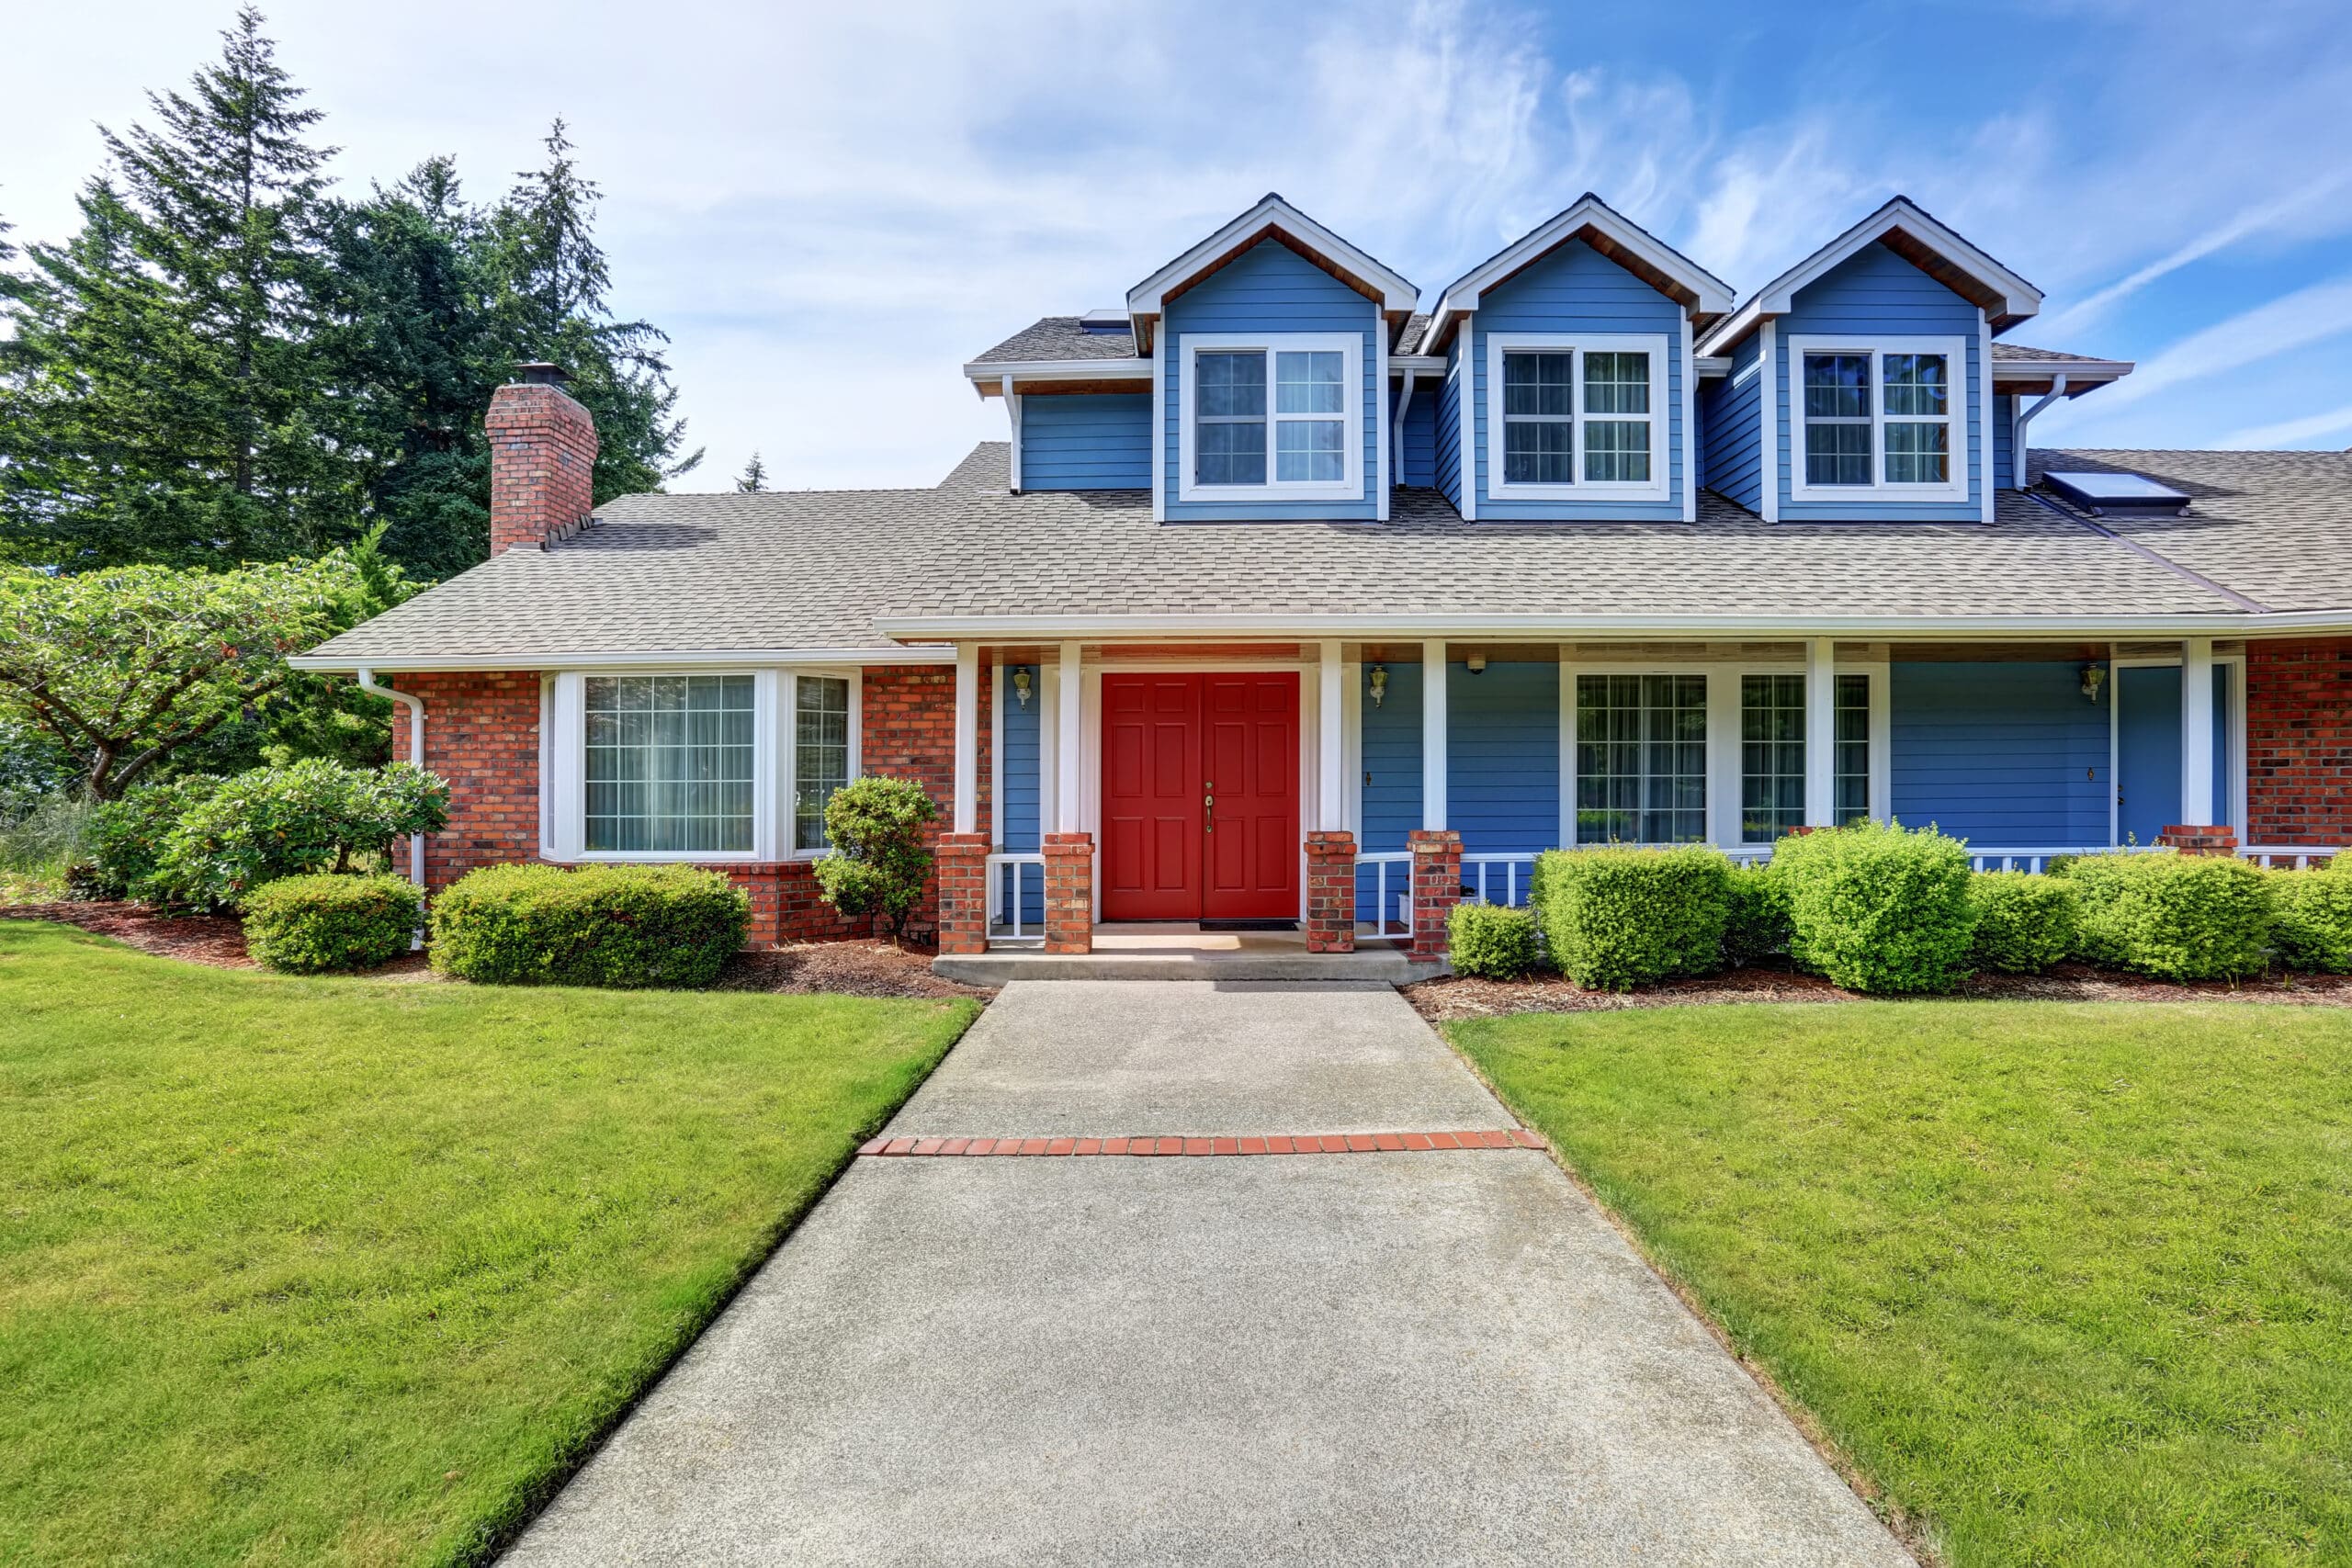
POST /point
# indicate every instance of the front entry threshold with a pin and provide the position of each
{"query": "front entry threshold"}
(1176, 950)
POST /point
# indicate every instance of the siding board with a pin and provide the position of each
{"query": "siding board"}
(2000, 754)
(1086, 441)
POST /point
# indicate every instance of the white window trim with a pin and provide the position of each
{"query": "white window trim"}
(1881, 490)
(564, 753)
(1348, 345)
(1657, 487)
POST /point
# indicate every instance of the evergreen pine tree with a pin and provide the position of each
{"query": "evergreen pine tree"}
(755, 476)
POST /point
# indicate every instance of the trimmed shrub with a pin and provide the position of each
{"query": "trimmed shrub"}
(2310, 927)
(314, 814)
(2174, 915)
(126, 837)
(880, 861)
(1493, 943)
(1758, 923)
(2025, 922)
(598, 925)
(1614, 918)
(1878, 906)
(306, 924)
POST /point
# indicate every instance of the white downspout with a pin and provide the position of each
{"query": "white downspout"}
(2018, 428)
(415, 706)
(1396, 433)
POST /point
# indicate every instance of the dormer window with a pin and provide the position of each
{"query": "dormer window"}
(1575, 416)
(1878, 419)
(1275, 417)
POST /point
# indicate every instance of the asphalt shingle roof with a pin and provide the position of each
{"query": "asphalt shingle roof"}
(816, 569)
(2018, 351)
(1059, 337)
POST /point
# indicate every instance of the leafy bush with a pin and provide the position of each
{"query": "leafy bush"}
(42, 833)
(598, 925)
(1877, 906)
(306, 924)
(878, 863)
(1758, 925)
(2311, 926)
(275, 822)
(1614, 918)
(2025, 922)
(1494, 942)
(126, 838)
(2174, 915)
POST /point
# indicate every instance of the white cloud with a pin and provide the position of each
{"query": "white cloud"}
(2291, 432)
(2306, 316)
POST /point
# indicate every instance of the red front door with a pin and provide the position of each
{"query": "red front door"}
(1200, 797)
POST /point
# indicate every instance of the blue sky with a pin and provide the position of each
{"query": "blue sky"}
(829, 208)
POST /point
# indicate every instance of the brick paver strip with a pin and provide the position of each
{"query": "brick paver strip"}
(1217, 1146)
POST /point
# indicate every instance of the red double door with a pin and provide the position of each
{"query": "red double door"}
(1200, 797)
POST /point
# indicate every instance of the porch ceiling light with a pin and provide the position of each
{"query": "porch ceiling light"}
(1379, 682)
(1476, 664)
(2094, 677)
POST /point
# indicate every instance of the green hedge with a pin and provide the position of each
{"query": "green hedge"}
(1759, 925)
(306, 924)
(2025, 922)
(599, 925)
(2174, 915)
(127, 838)
(2312, 922)
(1496, 943)
(1614, 918)
(1877, 906)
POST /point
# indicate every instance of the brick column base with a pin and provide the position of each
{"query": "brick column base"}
(1330, 892)
(2191, 838)
(1069, 892)
(962, 867)
(1437, 887)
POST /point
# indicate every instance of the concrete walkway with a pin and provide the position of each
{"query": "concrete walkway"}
(1354, 1357)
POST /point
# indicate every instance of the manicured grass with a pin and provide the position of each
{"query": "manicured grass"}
(354, 1270)
(2072, 1283)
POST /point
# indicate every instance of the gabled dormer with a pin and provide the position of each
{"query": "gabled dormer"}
(1269, 341)
(1568, 375)
(1859, 385)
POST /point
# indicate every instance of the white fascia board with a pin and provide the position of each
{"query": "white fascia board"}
(2077, 371)
(420, 663)
(989, 376)
(1147, 298)
(1419, 363)
(1712, 366)
(1408, 628)
(1715, 295)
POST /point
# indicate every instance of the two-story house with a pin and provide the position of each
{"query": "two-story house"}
(1289, 601)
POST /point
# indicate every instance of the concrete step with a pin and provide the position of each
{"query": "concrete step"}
(1002, 965)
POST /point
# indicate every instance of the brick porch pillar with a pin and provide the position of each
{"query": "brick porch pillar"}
(1330, 892)
(2191, 838)
(1069, 892)
(1437, 887)
(962, 862)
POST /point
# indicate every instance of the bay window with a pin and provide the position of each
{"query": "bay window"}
(1573, 416)
(1274, 417)
(1878, 419)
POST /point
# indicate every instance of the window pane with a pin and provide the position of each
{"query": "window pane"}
(819, 754)
(1837, 386)
(1311, 449)
(1617, 449)
(1538, 383)
(1641, 758)
(1616, 383)
(1853, 748)
(1538, 451)
(1915, 384)
(1772, 756)
(1310, 382)
(1837, 454)
(1231, 385)
(670, 763)
(1918, 454)
(1233, 453)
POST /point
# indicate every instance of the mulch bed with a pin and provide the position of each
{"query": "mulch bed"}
(200, 939)
(845, 969)
(1459, 997)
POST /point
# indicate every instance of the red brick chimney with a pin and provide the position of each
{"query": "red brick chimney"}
(542, 457)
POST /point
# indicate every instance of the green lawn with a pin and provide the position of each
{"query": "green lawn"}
(353, 1270)
(2072, 1283)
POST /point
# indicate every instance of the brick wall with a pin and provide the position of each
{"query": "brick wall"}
(2299, 742)
(542, 463)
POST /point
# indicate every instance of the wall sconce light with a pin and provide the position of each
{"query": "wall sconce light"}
(1379, 685)
(2094, 677)
(1477, 663)
(1021, 682)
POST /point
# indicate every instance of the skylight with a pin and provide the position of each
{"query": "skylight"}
(2118, 495)
(1104, 321)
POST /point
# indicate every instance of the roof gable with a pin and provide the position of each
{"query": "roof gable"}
(1276, 220)
(1700, 292)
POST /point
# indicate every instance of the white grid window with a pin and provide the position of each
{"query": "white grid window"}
(1641, 758)
(1576, 418)
(819, 754)
(1271, 419)
(1878, 419)
(670, 763)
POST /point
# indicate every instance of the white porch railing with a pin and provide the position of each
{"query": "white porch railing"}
(2296, 856)
(1477, 872)
(1006, 874)
(1379, 863)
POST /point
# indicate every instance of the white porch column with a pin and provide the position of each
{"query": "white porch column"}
(967, 736)
(1331, 744)
(1068, 743)
(1821, 732)
(1433, 734)
(2197, 802)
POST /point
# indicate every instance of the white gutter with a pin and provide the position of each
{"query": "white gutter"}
(2099, 371)
(987, 375)
(1412, 627)
(415, 706)
(2017, 423)
(346, 664)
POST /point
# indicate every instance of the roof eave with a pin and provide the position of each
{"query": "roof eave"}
(1048, 628)
(1709, 296)
(1395, 293)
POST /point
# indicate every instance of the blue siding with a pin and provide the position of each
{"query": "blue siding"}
(1086, 441)
(1875, 292)
(1392, 776)
(1417, 461)
(1272, 288)
(1448, 435)
(2004, 467)
(1731, 429)
(1578, 289)
(1502, 729)
(2147, 746)
(2000, 754)
(1023, 757)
